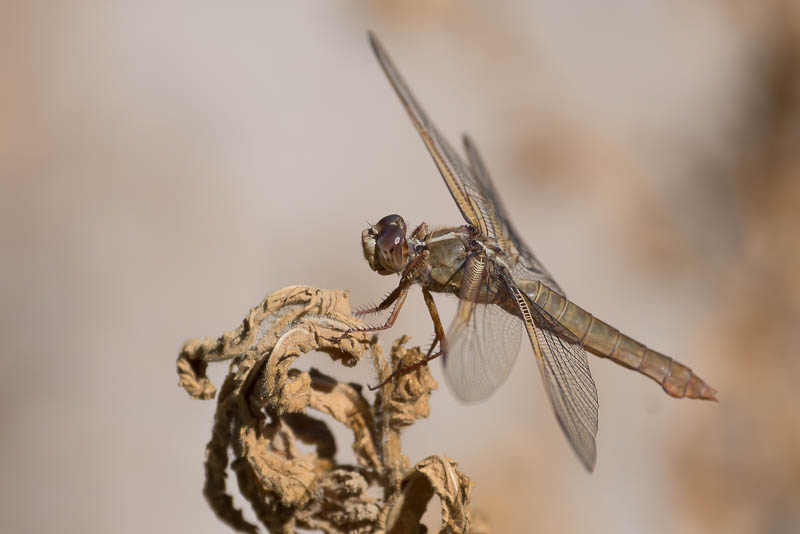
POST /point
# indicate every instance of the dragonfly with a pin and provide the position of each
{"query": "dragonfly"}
(504, 292)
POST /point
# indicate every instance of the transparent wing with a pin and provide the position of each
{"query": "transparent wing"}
(483, 343)
(470, 194)
(528, 266)
(470, 185)
(565, 372)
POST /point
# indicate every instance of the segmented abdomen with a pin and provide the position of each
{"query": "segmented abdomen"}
(606, 341)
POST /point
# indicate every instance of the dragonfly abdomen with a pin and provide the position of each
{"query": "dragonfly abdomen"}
(605, 341)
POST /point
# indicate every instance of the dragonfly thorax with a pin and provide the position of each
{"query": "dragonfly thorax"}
(385, 245)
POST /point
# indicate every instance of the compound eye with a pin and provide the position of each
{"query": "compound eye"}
(393, 220)
(392, 248)
(389, 239)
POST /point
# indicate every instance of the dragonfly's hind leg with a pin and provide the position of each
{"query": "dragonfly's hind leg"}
(437, 324)
(400, 371)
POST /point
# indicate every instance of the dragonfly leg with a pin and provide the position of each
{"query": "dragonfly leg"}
(440, 337)
(388, 301)
(437, 323)
(400, 371)
(433, 345)
(420, 231)
(398, 296)
(402, 292)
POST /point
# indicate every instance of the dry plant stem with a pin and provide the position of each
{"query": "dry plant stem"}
(264, 415)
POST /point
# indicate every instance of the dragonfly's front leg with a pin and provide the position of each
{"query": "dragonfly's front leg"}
(411, 270)
(388, 301)
(420, 231)
(398, 296)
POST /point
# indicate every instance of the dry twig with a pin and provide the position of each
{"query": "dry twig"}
(263, 412)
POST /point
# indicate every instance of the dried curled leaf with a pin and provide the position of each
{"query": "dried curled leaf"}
(347, 405)
(439, 475)
(344, 505)
(263, 426)
(409, 395)
(192, 370)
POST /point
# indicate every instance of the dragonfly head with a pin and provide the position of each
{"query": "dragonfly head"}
(385, 246)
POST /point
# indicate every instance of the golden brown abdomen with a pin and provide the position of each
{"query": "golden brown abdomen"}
(606, 341)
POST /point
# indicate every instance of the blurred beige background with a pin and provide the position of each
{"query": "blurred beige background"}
(165, 165)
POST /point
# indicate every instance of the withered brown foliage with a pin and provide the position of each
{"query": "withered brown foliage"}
(264, 412)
